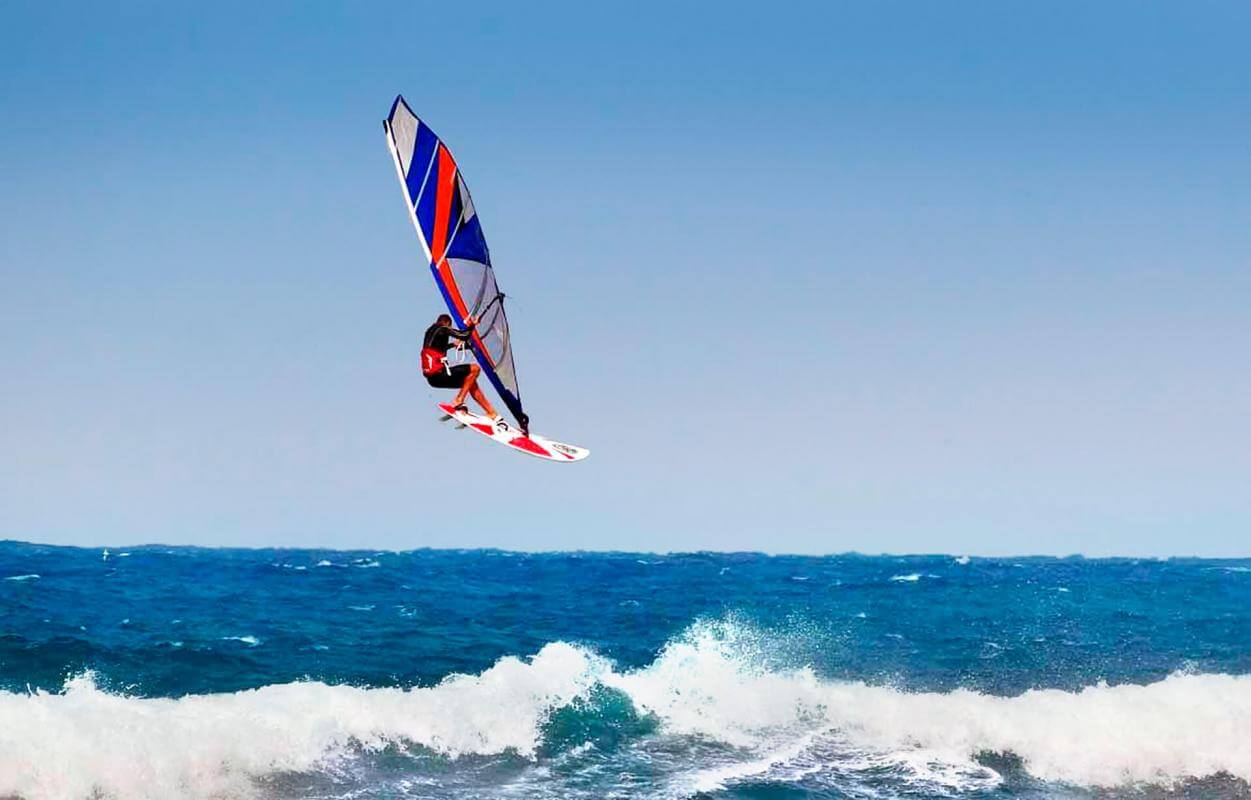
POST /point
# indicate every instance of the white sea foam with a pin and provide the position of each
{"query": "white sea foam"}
(1186, 725)
(909, 578)
(31, 577)
(713, 682)
(84, 742)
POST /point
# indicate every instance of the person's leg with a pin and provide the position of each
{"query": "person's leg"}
(471, 378)
(470, 387)
(480, 398)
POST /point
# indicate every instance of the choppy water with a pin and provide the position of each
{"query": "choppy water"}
(159, 672)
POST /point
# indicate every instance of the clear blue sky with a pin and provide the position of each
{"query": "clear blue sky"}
(878, 276)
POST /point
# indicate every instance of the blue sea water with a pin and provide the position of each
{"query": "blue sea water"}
(171, 672)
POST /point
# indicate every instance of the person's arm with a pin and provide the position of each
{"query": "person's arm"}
(464, 335)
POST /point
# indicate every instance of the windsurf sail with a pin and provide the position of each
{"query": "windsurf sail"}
(442, 211)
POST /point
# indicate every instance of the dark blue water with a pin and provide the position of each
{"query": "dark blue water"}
(182, 672)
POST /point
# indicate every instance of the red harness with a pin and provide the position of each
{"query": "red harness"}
(432, 361)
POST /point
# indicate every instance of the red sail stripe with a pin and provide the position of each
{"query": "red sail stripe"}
(442, 213)
(444, 185)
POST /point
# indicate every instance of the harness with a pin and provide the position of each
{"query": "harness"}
(434, 361)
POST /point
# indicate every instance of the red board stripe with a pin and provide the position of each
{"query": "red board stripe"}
(530, 446)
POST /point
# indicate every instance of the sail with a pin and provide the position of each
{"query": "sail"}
(451, 236)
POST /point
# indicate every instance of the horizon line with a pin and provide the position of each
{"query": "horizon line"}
(666, 553)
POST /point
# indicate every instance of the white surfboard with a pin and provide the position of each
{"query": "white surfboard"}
(532, 444)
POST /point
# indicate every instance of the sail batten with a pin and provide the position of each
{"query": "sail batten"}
(442, 211)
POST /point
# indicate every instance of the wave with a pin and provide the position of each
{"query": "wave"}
(712, 687)
(217, 745)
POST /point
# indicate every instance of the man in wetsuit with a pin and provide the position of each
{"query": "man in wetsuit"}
(441, 375)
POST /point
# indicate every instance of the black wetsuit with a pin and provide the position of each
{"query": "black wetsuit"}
(439, 337)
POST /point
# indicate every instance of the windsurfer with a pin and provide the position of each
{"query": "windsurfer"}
(442, 375)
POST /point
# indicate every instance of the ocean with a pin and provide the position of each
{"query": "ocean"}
(174, 672)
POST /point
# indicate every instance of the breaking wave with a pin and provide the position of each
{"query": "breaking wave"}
(711, 690)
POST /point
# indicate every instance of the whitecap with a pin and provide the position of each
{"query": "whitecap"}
(31, 577)
(1185, 726)
(249, 640)
(909, 578)
(218, 745)
(714, 682)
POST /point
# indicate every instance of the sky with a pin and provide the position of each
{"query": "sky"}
(906, 277)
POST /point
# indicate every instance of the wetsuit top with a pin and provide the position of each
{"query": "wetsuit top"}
(438, 337)
(435, 344)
